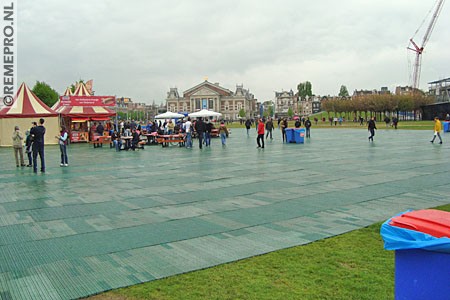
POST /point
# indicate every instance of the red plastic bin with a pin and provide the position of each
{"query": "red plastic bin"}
(431, 221)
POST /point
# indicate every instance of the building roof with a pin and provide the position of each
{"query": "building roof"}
(214, 87)
(26, 104)
(440, 81)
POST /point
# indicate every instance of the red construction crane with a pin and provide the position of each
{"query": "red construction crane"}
(419, 49)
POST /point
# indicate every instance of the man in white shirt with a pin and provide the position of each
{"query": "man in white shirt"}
(188, 130)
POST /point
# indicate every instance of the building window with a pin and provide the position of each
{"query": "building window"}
(210, 103)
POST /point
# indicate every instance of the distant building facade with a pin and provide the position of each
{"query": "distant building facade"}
(286, 100)
(383, 91)
(310, 105)
(212, 96)
(440, 89)
(404, 90)
(283, 101)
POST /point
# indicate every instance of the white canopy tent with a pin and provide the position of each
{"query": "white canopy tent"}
(169, 115)
(205, 113)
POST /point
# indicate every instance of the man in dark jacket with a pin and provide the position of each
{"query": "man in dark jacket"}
(200, 129)
(100, 129)
(248, 124)
(269, 128)
(371, 127)
(38, 133)
(308, 127)
(208, 129)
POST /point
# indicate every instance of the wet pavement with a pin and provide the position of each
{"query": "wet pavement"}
(114, 219)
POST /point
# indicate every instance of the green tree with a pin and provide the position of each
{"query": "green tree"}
(44, 92)
(270, 110)
(343, 92)
(304, 89)
(290, 112)
(242, 113)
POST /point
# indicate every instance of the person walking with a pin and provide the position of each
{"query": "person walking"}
(28, 144)
(260, 138)
(17, 138)
(223, 131)
(38, 133)
(308, 127)
(208, 129)
(62, 140)
(394, 122)
(200, 129)
(371, 127)
(248, 125)
(269, 128)
(437, 130)
(284, 125)
(188, 130)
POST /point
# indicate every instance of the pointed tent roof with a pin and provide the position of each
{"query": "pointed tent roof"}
(26, 105)
(81, 90)
(67, 92)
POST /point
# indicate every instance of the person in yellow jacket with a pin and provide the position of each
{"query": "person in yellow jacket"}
(437, 130)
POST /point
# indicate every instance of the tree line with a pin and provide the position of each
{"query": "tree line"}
(377, 105)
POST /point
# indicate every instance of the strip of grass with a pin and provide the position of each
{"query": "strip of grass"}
(350, 266)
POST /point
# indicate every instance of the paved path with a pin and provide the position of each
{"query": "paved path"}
(116, 219)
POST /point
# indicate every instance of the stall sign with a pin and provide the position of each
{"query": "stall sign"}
(88, 100)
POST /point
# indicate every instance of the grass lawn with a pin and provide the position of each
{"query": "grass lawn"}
(349, 266)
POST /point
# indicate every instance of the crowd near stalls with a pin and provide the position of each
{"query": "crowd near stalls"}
(25, 109)
(81, 113)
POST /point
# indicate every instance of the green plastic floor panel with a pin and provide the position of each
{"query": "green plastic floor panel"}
(113, 219)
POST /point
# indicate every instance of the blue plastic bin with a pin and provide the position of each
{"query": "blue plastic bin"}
(299, 135)
(422, 253)
(290, 135)
(446, 126)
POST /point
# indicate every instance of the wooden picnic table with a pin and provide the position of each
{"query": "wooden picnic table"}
(98, 141)
(165, 139)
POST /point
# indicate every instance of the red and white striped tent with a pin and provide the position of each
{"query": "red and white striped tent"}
(67, 92)
(27, 108)
(81, 90)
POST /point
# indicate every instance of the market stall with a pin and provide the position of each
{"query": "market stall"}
(79, 113)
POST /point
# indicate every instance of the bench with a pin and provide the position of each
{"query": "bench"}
(164, 140)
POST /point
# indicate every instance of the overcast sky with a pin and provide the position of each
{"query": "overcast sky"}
(140, 49)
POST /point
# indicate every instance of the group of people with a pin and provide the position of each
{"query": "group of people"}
(203, 131)
(34, 146)
(34, 138)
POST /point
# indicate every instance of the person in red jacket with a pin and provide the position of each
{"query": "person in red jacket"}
(260, 134)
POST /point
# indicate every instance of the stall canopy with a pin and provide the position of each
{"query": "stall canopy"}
(27, 108)
(80, 113)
